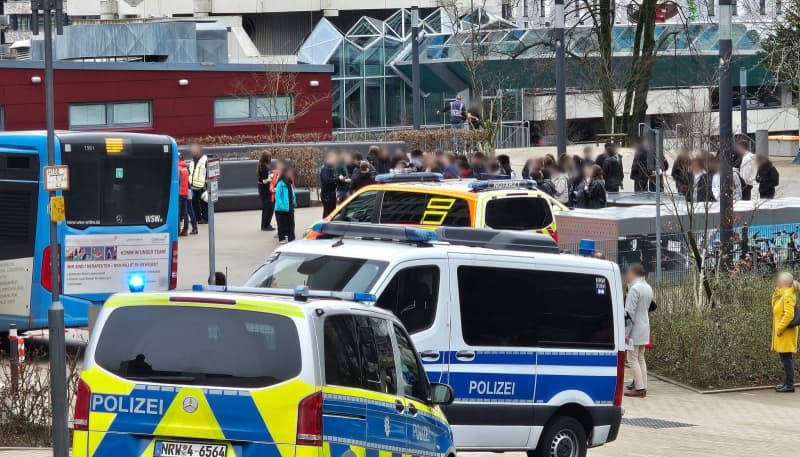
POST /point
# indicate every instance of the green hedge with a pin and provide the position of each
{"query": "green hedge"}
(720, 347)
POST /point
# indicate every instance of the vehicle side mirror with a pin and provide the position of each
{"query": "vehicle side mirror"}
(441, 394)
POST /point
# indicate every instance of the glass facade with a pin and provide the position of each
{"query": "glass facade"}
(371, 61)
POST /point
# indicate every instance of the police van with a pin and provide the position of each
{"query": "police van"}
(531, 340)
(255, 373)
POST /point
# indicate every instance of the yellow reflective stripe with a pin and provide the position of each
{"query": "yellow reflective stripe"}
(198, 424)
(148, 451)
(80, 443)
(277, 406)
(359, 451)
(242, 303)
(359, 393)
(114, 145)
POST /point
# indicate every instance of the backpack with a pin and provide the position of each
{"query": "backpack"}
(796, 321)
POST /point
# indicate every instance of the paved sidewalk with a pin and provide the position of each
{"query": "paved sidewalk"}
(720, 425)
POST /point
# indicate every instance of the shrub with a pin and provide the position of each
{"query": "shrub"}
(433, 139)
(721, 347)
(220, 140)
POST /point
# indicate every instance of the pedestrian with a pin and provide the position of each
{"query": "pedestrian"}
(682, 173)
(767, 177)
(457, 114)
(362, 176)
(378, 159)
(736, 180)
(591, 193)
(285, 203)
(197, 182)
(747, 168)
(588, 155)
(328, 182)
(701, 182)
(264, 175)
(478, 164)
(505, 166)
(449, 167)
(475, 117)
(184, 205)
(343, 172)
(639, 171)
(530, 166)
(637, 328)
(464, 168)
(607, 148)
(613, 172)
(784, 339)
(560, 184)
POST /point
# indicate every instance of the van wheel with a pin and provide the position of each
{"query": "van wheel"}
(563, 437)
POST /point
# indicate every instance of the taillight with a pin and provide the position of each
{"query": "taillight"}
(81, 417)
(620, 378)
(309, 420)
(47, 271)
(173, 276)
(554, 234)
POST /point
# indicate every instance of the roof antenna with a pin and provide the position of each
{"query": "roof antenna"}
(338, 242)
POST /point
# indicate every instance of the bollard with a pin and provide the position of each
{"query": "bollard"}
(762, 143)
(13, 357)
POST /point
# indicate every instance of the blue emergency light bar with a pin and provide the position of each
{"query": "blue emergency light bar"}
(299, 293)
(500, 184)
(136, 282)
(375, 232)
(409, 177)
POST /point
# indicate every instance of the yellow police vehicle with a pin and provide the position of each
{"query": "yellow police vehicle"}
(427, 200)
(255, 372)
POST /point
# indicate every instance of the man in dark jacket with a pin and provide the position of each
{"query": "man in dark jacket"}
(612, 170)
(327, 184)
(639, 171)
(767, 177)
(378, 159)
(702, 182)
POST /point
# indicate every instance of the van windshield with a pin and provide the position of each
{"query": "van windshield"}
(287, 270)
(203, 346)
(518, 213)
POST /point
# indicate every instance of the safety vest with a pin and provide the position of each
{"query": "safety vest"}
(197, 174)
(456, 108)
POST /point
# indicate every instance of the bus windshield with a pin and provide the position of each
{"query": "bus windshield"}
(127, 185)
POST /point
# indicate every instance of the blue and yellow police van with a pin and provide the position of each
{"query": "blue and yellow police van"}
(255, 373)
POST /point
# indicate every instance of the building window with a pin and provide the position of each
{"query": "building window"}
(762, 7)
(778, 7)
(2, 118)
(734, 8)
(710, 8)
(112, 114)
(542, 8)
(254, 108)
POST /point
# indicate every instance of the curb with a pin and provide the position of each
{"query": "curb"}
(712, 391)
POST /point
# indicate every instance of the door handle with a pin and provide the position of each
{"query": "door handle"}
(412, 410)
(429, 355)
(399, 406)
(466, 356)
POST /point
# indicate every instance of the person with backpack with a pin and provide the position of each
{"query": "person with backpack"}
(613, 171)
(784, 326)
(591, 193)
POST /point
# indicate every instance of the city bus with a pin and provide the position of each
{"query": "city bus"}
(121, 221)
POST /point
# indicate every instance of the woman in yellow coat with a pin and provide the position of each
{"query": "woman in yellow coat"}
(784, 339)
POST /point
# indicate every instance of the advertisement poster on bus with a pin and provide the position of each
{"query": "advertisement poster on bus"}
(15, 286)
(104, 263)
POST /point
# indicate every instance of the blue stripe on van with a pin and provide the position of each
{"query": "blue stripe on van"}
(598, 388)
(578, 359)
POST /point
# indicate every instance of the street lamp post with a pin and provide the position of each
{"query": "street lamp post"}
(725, 129)
(561, 110)
(743, 99)
(55, 313)
(415, 66)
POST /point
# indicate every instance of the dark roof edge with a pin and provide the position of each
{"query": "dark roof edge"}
(163, 66)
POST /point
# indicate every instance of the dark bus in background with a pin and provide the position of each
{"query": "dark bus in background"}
(121, 220)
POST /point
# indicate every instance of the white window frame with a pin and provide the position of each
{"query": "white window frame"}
(108, 107)
(253, 111)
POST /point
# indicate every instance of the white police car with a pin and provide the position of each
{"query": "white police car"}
(531, 341)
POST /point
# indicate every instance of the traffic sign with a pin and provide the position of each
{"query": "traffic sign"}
(214, 170)
(213, 191)
(57, 208)
(56, 178)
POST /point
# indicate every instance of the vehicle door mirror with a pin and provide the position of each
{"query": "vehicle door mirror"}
(441, 394)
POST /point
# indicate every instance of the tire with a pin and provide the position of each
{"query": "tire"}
(563, 437)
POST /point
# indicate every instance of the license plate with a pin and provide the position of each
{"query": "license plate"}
(178, 449)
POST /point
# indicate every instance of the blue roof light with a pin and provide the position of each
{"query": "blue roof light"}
(136, 282)
(409, 177)
(363, 296)
(375, 231)
(420, 235)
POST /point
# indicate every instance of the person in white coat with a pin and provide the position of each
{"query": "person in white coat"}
(637, 329)
(747, 168)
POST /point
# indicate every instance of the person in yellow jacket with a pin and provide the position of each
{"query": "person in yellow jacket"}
(197, 182)
(784, 339)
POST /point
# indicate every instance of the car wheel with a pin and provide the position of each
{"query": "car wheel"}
(563, 437)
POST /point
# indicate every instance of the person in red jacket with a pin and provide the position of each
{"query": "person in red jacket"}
(185, 208)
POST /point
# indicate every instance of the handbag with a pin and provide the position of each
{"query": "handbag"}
(796, 321)
(654, 306)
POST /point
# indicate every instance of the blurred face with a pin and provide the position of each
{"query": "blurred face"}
(587, 171)
(761, 160)
(330, 159)
(196, 151)
(630, 276)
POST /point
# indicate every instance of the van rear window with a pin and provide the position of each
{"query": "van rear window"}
(518, 213)
(203, 346)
